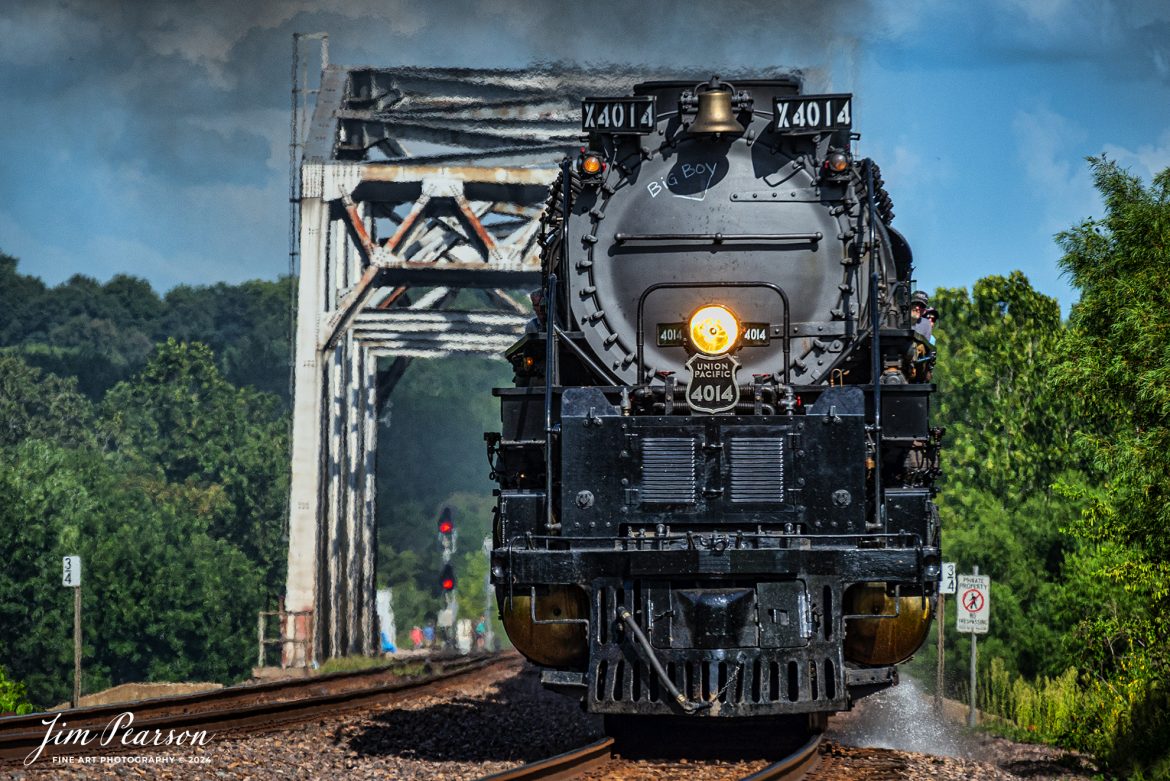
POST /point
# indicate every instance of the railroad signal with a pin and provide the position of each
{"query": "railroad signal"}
(446, 528)
(447, 579)
(446, 524)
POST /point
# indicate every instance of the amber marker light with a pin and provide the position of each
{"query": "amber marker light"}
(714, 330)
(837, 162)
(591, 164)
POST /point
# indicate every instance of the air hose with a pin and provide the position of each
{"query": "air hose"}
(643, 645)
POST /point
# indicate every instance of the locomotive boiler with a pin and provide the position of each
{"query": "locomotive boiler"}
(715, 468)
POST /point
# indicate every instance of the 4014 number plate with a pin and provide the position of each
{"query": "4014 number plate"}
(813, 113)
(712, 387)
(619, 115)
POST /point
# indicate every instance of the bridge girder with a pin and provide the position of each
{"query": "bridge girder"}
(377, 224)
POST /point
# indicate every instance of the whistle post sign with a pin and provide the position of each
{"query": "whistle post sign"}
(71, 571)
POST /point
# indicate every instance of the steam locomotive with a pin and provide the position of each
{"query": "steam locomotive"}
(716, 466)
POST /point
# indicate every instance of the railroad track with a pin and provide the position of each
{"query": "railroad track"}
(598, 760)
(241, 709)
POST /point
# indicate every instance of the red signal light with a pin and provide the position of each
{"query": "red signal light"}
(448, 584)
(446, 522)
(447, 578)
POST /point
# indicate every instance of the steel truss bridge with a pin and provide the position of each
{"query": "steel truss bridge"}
(409, 185)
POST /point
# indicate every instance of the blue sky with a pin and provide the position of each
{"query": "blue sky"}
(150, 138)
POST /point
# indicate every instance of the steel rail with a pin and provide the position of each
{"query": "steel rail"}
(243, 709)
(562, 766)
(793, 767)
(573, 764)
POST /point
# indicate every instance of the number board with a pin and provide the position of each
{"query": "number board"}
(756, 334)
(671, 334)
(812, 113)
(974, 597)
(638, 115)
(674, 334)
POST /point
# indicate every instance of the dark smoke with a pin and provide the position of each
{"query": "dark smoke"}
(168, 84)
(166, 101)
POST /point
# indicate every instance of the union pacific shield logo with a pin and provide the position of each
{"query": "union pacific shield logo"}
(712, 387)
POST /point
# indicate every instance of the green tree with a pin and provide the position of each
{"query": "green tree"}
(180, 417)
(103, 333)
(1008, 431)
(13, 697)
(1007, 441)
(161, 600)
(1115, 368)
(246, 325)
(35, 404)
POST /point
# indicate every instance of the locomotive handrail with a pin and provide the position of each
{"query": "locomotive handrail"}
(720, 283)
(911, 539)
(718, 238)
(582, 355)
(550, 379)
(875, 353)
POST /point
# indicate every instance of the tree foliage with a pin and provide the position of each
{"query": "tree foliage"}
(1115, 367)
(180, 417)
(103, 333)
(1008, 432)
(1007, 440)
(163, 597)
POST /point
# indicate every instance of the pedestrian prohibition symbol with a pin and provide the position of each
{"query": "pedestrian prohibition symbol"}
(974, 592)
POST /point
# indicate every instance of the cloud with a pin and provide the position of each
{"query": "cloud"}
(1050, 148)
(1128, 39)
(136, 108)
(1147, 160)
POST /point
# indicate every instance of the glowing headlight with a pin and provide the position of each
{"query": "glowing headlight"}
(714, 330)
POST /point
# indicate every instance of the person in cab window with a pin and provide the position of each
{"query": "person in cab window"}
(919, 303)
(931, 316)
(539, 310)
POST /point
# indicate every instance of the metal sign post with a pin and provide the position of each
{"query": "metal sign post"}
(946, 586)
(974, 609)
(71, 578)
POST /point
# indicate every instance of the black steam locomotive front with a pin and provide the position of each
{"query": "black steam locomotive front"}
(716, 466)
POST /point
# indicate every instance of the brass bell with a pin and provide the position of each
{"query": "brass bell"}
(715, 114)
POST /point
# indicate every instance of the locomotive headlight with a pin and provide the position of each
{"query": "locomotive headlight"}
(714, 330)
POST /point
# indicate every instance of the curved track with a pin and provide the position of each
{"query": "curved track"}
(241, 709)
(598, 760)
